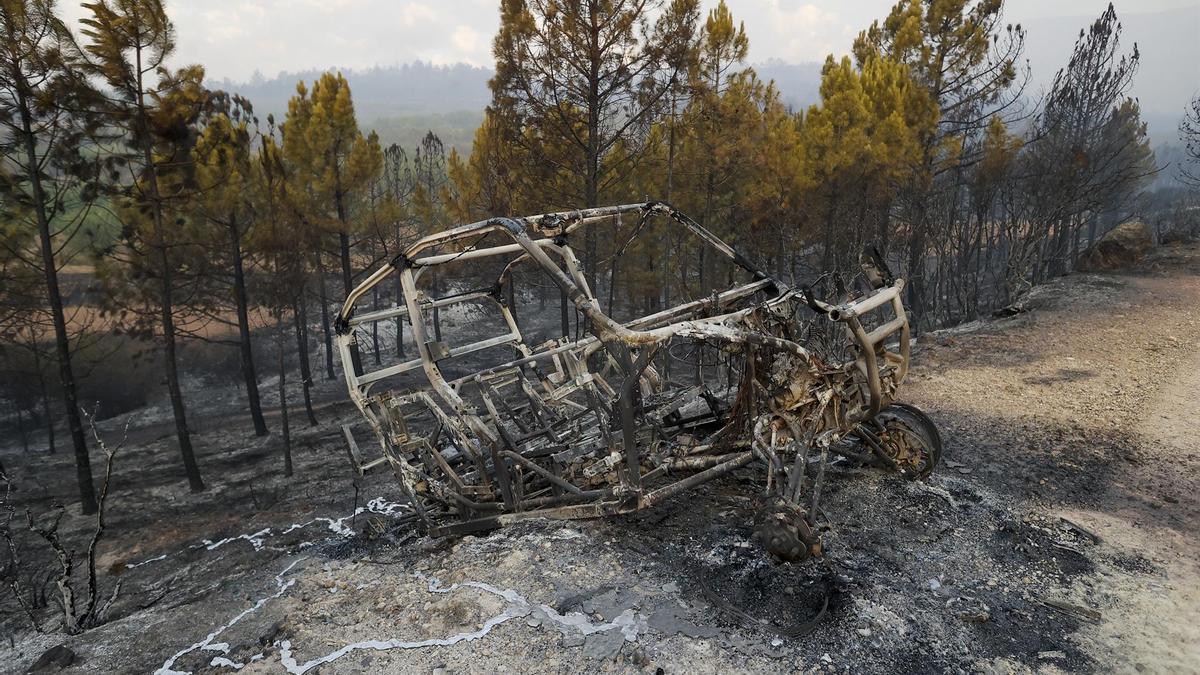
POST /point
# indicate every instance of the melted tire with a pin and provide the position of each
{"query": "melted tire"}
(914, 425)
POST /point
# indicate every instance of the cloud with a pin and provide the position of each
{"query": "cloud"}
(234, 38)
(804, 31)
(467, 41)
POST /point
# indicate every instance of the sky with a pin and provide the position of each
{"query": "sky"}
(234, 38)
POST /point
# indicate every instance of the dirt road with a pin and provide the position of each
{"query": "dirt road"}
(1060, 535)
(1087, 408)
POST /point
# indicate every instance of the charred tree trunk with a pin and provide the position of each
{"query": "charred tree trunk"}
(166, 277)
(243, 318)
(62, 344)
(300, 318)
(283, 404)
(326, 331)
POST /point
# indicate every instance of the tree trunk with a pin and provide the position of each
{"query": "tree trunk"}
(300, 315)
(62, 343)
(243, 318)
(325, 328)
(168, 326)
(339, 202)
(283, 405)
(166, 301)
(591, 186)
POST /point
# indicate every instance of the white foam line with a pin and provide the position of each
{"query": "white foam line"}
(146, 562)
(378, 506)
(219, 661)
(282, 587)
(629, 623)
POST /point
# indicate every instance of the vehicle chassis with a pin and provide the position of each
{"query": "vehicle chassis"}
(581, 428)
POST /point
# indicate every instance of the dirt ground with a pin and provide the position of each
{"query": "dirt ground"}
(1058, 536)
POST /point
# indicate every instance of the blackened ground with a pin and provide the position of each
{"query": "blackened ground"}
(1059, 535)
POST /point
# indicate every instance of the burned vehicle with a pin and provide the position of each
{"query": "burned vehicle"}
(626, 414)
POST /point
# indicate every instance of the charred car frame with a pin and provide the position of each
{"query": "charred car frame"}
(595, 425)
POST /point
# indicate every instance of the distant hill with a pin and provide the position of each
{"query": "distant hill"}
(416, 88)
(403, 102)
(400, 102)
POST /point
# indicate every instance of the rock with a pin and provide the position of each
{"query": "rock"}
(268, 637)
(53, 660)
(603, 645)
(1124, 245)
(669, 620)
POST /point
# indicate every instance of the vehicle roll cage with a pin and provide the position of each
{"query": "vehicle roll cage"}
(728, 319)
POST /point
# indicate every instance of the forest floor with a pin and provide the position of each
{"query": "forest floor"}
(1059, 535)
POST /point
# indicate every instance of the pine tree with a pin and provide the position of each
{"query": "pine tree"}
(862, 140)
(1089, 153)
(486, 183)
(331, 166)
(321, 137)
(967, 60)
(579, 80)
(398, 183)
(283, 291)
(37, 87)
(429, 170)
(152, 111)
(713, 151)
(300, 156)
(222, 159)
(1189, 134)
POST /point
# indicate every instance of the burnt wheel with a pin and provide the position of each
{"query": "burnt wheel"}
(909, 439)
(782, 528)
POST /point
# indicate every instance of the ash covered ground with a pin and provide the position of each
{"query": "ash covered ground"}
(1058, 535)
